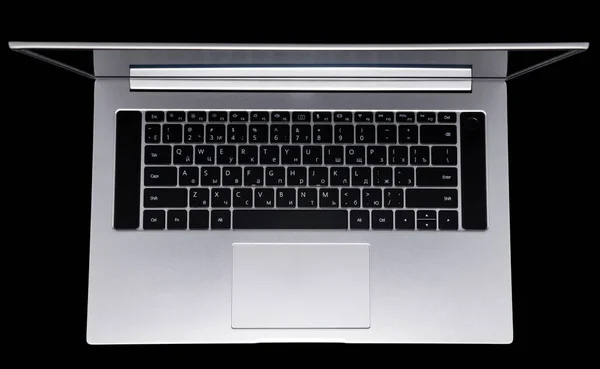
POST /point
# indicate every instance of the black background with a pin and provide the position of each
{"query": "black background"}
(47, 136)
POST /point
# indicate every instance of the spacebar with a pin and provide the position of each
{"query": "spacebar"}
(290, 219)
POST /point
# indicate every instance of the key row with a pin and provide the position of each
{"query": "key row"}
(301, 116)
(300, 176)
(301, 198)
(295, 133)
(300, 219)
(297, 155)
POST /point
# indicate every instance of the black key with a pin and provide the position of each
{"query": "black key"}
(339, 176)
(242, 198)
(371, 198)
(280, 133)
(232, 176)
(280, 116)
(154, 219)
(155, 116)
(307, 198)
(446, 117)
(426, 117)
(177, 219)
(384, 117)
(172, 133)
(254, 176)
(393, 198)
(365, 134)
(427, 225)
(398, 155)
(322, 133)
(386, 134)
(334, 155)
(419, 155)
(183, 154)
(199, 197)
(361, 176)
(363, 117)
(322, 116)
(226, 154)
(290, 219)
(376, 155)
(405, 219)
(301, 116)
(160, 176)
(264, 198)
(301, 133)
(344, 133)
(296, 176)
(431, 198)
(405, 117)
(236, 133)
(438, 134)
(157, 155)
(248, 155)
(269, 154)
(350, 198)
(238, 116)
(175, 116)
(437, 177)
(443, 155)
(215, 133)
(342, 116)
(196, 116)
(188, 176)
(220, 219)
(382, 176)
(355, 155)
(404, 176)
(318, 176)
(382, 219)
(165, 197)
(259, 133)
(312, 155)
(474, 172)
(217, 116)
(220, 197)
(127, 170)
(275, 176)
(205, 155)
(408, 134)
(210, 176)
(286, 198)
(426, 214)
(359, 219)
(193, 133)
(198, 219)
(259, 116)
(448, 220)
(291, 155)
(152, 132)
(329, 198)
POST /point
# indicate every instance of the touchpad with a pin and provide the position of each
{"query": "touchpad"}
(298, 285)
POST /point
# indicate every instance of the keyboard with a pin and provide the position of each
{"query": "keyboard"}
(268, 169)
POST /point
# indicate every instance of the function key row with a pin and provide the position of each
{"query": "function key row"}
(302, 116)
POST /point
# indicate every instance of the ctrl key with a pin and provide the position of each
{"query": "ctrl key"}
(154, 219)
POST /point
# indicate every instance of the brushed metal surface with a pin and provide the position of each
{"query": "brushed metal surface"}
(175, 286)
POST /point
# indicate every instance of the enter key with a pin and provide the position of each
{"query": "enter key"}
(437, 177)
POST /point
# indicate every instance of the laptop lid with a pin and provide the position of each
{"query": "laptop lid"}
(431, 67)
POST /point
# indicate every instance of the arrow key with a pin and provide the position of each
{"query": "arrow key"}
(448, 220)
(405, 219)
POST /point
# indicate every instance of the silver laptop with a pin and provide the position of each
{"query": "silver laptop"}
(299, 193)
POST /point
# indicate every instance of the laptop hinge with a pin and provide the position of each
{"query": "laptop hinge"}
(286, 78)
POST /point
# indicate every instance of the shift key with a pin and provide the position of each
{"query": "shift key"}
(431, 198)
(165, 197)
